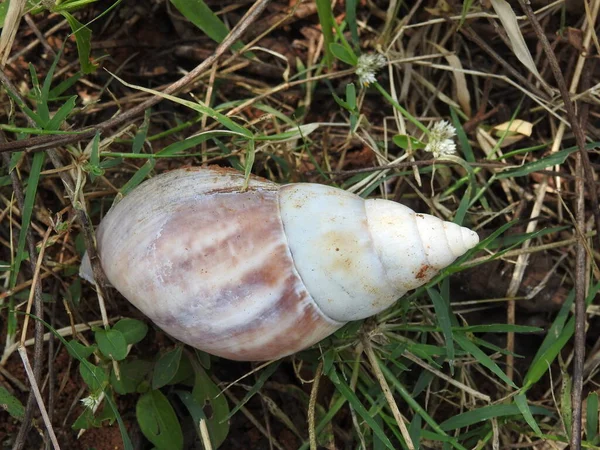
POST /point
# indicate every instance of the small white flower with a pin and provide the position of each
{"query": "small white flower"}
(441, 140)
(91, 402)
(368, 65)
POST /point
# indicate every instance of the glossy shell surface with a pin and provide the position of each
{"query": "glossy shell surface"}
(211, 266)
(265, 272)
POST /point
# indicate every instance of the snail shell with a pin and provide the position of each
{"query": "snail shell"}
(262, 273)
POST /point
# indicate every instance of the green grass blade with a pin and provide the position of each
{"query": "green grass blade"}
(414, 405)
(326, 20)
(138, 177)
(45, 92)
(442, 312)
(481, 357)
(556, 328)
(205, 19)
(262, 379)
(250, 155)
(83, 38)
(63, 86)
(478, 415)
(351, 19)
(591, 425)
(30, 193)
(521, 402)
(345, 390)
(414, 430)
(60, 116)
(36, 131)
(140, 137)
(554, 159)
(554, 342)
(463, 139)
(196, 106)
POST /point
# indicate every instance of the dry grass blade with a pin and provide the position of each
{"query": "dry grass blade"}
(38, 397)
(509, 21)
(11, 25)
(386, 391)
(463, 96)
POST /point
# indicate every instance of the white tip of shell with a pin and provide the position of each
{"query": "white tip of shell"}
(470, 238)
(460, 239)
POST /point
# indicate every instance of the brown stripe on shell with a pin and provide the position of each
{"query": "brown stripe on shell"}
(217, 274)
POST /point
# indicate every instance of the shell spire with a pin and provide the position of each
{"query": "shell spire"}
(414, 247)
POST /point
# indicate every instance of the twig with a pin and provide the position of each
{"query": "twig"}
(312, 436)
(582, 166)
(38, 396)
(47, 142)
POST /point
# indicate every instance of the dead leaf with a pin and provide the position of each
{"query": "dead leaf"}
(511, 26)
(515, 126)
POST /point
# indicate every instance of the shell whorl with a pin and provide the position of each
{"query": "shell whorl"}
(358, 257)
(262, 273)
(210, 265)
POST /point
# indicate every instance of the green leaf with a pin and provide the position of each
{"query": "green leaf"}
(83, 36)
(185, 372)
(481, 357)
(206, 392)
(553, 159)
(479, 415)
(343, 54)
(404, 141)
(158, 421)
(112, 344)
(85, 420)
(351, 96)
(202, 16)
(521, 402)
(11, 404)
(132, 373)
(166, 367)
(79, 351)
(95, 377)
(196, 411)
(132, 330)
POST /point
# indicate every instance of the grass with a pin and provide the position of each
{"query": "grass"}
(480, 357)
